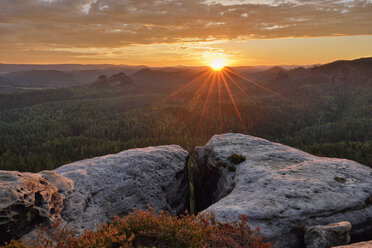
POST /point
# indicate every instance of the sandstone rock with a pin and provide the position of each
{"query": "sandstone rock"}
(29, 199)
(367, 244)
(133, 179)
(281, 189)
(327, 236)
(90, 192)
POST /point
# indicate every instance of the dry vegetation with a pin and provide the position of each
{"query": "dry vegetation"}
(146, 228)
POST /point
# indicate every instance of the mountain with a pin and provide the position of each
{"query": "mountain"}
(117, 80)
(267, 75)
(88, 76)
(356, 71)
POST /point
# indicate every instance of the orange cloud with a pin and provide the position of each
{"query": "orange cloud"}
(47, 25)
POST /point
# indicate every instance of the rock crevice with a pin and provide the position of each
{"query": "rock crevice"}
(281, 189)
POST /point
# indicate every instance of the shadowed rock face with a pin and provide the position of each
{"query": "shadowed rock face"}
(327, 236)
(28, 199)
(357, 245)
(90, 192)
(281, 189)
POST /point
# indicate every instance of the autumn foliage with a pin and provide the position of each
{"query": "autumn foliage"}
(146, 228)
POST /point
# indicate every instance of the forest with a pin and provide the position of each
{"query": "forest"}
(323, 115)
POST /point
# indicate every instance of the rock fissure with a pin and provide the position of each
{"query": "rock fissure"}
(281, 189)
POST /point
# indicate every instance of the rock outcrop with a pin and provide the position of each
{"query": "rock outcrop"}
(287, 192)
(133, 179)
(29, 199)
(281, 189)
(120, 79)
(90, 192)
(328, 235)
(367, 244)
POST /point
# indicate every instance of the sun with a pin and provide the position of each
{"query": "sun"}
(217, 64)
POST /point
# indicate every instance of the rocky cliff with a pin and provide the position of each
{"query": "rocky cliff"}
(292, 195)
(281, 189)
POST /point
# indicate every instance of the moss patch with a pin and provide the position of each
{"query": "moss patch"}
(369, 200)
(340, 179)
(236, 158)
(232, 168)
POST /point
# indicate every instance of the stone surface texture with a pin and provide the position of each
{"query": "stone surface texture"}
(281, 189)
(29, 199)
(133, 179)
(326, 236)
(367, 244)
(86, 193)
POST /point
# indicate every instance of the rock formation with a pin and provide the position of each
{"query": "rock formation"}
(29, 199)
(281, 189)
(120, 79)
(287, 192)
(90, 192)
(367, 244)
(133, 179)
(327, 236)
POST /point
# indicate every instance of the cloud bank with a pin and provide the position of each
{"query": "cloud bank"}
(72, 24)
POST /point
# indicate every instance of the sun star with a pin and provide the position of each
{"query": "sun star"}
(217, 65)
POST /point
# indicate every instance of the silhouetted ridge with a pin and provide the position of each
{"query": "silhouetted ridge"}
(120, 79)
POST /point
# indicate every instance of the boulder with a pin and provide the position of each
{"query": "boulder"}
(328, 235)
(367, 244)
(281, 189)
(29, 199)
(86, 193)
(133, 179)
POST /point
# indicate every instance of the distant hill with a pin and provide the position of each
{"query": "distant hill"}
(42, 78)
(268, 74)
(339, 73)
(117, 80)
(90, 75)
(166, 80)
(7, 87)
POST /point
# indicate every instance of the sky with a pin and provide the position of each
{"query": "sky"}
(184, 32)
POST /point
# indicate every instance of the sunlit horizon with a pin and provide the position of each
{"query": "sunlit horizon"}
(213, 86)
(187, 33)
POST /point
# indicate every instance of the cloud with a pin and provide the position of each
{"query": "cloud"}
(41, 24)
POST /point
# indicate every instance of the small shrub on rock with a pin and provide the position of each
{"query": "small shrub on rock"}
(340, 179)
(232, 168)
(146, 228)
(369, 200)
(236, 158)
